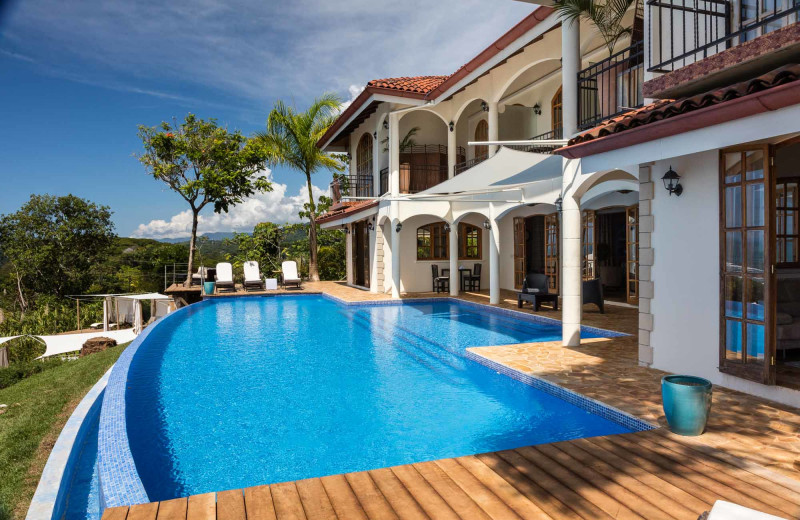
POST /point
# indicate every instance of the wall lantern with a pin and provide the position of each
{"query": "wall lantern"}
(385, 124)
(537, 109)
(559, 204)
(484, 106)
(370, 225)
(452, 126)
(375, 135)
(487, 224)
(398, 227)
(672, 182)
(446, 227)
(345, 229)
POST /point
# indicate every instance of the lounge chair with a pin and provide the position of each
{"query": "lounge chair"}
(535, 290)
(201, 275)
(224, 277)
(290, 276)
(252, 276)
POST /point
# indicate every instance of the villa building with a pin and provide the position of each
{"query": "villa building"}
(666, 168)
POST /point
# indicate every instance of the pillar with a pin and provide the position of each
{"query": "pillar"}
(452, 152)
(570, 66)
(395, 259)
(455, 277)
(571, 278)
(494, 263)
(394, 189)
(494, 131)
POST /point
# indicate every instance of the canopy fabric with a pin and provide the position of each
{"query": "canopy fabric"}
(63, 343)
(146, 296)
(8, 338)
(504, 170)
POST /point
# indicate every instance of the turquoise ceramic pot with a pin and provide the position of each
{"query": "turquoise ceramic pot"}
(209, 287)
(687, 403)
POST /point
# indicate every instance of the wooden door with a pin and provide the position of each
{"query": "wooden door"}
(365, 252)
(519, 252)
(632, 253)
(589, 244)
(747, 232)
(482, 134)
(557, 114)
(551, 251)
(360, 253)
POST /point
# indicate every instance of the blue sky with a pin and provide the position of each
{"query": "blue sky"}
(76, 78)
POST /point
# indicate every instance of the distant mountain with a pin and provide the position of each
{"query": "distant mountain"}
(219, 236)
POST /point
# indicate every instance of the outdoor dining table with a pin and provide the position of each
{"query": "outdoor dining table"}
(463, 274)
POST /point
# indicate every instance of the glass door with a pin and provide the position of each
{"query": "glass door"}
(589, 244)
(551, 251)
(746, 264)
(632, 253)
(519, 251)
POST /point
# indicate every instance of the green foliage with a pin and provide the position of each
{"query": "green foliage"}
(291, 140)
(205, 164)
(19, 371)
(263, 246)
(51, 245)
(607, 16)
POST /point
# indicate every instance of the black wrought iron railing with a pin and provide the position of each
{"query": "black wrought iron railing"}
(685, 31)
(611, 86)
(556, 133)
(466, 165)
(384, 181)
(344, 186)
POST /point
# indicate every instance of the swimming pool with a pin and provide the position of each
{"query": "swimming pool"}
(245, 391)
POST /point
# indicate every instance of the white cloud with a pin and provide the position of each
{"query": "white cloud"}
(274, 206)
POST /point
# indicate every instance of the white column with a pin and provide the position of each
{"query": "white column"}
(455, 277)
(494, 263)
(394, 189)
(494, 131)
(571, 281)
(105, 314)
(452, 152)
(570, 65)
(395, 260)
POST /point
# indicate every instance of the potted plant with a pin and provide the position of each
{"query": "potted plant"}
(687, 403)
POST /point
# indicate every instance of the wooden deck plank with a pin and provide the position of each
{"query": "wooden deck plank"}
(286, 500)
(529, 488)
(258, 503)
(147, 511)
(202, 507)
(562, 453)
(403, 503)
(491, 504)
(174, 509)
(370, 497)
(342, 498)
(230, 505)
(458, 500)
(519, 503)
(115, 513)
(315, 500)
(427, 497)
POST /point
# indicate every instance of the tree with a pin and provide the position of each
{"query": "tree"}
(205, 164)
(53, 245)
(606, 16)
(291, 140)
(263, 246)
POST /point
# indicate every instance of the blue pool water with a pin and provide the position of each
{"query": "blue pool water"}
(246, 391)
(83, 500)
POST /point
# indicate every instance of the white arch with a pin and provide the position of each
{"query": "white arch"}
(425, 109)
(592, 180)
(464, 106)
(502, 90)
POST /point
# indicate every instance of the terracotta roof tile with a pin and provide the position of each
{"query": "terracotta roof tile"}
(417, 84)
(344, 209)
(669, 108)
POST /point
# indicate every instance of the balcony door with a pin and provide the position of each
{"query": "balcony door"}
(551, 247)
(557, 114)
(520, 247)
(589, 244)
(481, 134)
(363, 180)
(632, 253)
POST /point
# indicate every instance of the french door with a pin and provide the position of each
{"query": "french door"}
(519, 252)
(360, 250)
(589, 244)
(551, 247)
(747, 231)
(632, 253)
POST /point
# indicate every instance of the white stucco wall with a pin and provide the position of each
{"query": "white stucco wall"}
(686, 298)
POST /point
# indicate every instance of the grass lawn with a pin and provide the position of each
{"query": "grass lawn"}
(38, 408)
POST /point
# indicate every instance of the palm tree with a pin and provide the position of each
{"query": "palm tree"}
(291, 140)
(606, 15)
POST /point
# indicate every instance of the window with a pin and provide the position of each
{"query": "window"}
(787, 226)
(433, 242)
(481, 134)
(469, 238)
(364, 156)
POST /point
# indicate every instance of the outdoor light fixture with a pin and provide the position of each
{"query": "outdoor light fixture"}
(385, 124)
(487, 224)
(537, 109)
(370, 225)
(559, 203)
(375, 135)
(452, 126)
(345, 229)
(446, 227)
(398, 227)
(672, 182)
(484, 106)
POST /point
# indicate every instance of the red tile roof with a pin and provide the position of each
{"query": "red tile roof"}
(416, 84)
(668, 109)
(345, 209)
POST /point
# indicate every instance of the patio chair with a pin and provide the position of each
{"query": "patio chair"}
(592, 292)
(252, 276)
(535, 290)
(224, 277)
(200, 275)
(473, 280)
(290, 276)
(440, 283)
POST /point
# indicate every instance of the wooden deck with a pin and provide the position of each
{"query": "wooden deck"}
(641, 475)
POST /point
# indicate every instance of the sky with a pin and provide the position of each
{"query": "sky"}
(78, 77)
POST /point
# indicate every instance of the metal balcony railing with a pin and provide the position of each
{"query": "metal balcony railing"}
(345, 186)
(685, 31)
(466, 165)
(611, 86)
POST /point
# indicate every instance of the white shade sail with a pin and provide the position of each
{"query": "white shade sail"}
(507, 169)
(7, 338)
(146, 296)
(64, 343)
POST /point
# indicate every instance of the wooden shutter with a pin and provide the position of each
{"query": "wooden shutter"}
(519, 251)
(589, 244)
(632, 253)
(551, 251)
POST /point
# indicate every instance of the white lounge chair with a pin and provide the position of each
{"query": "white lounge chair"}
(224, 278)
(728, 511)
(252, 276)
(290, 276)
